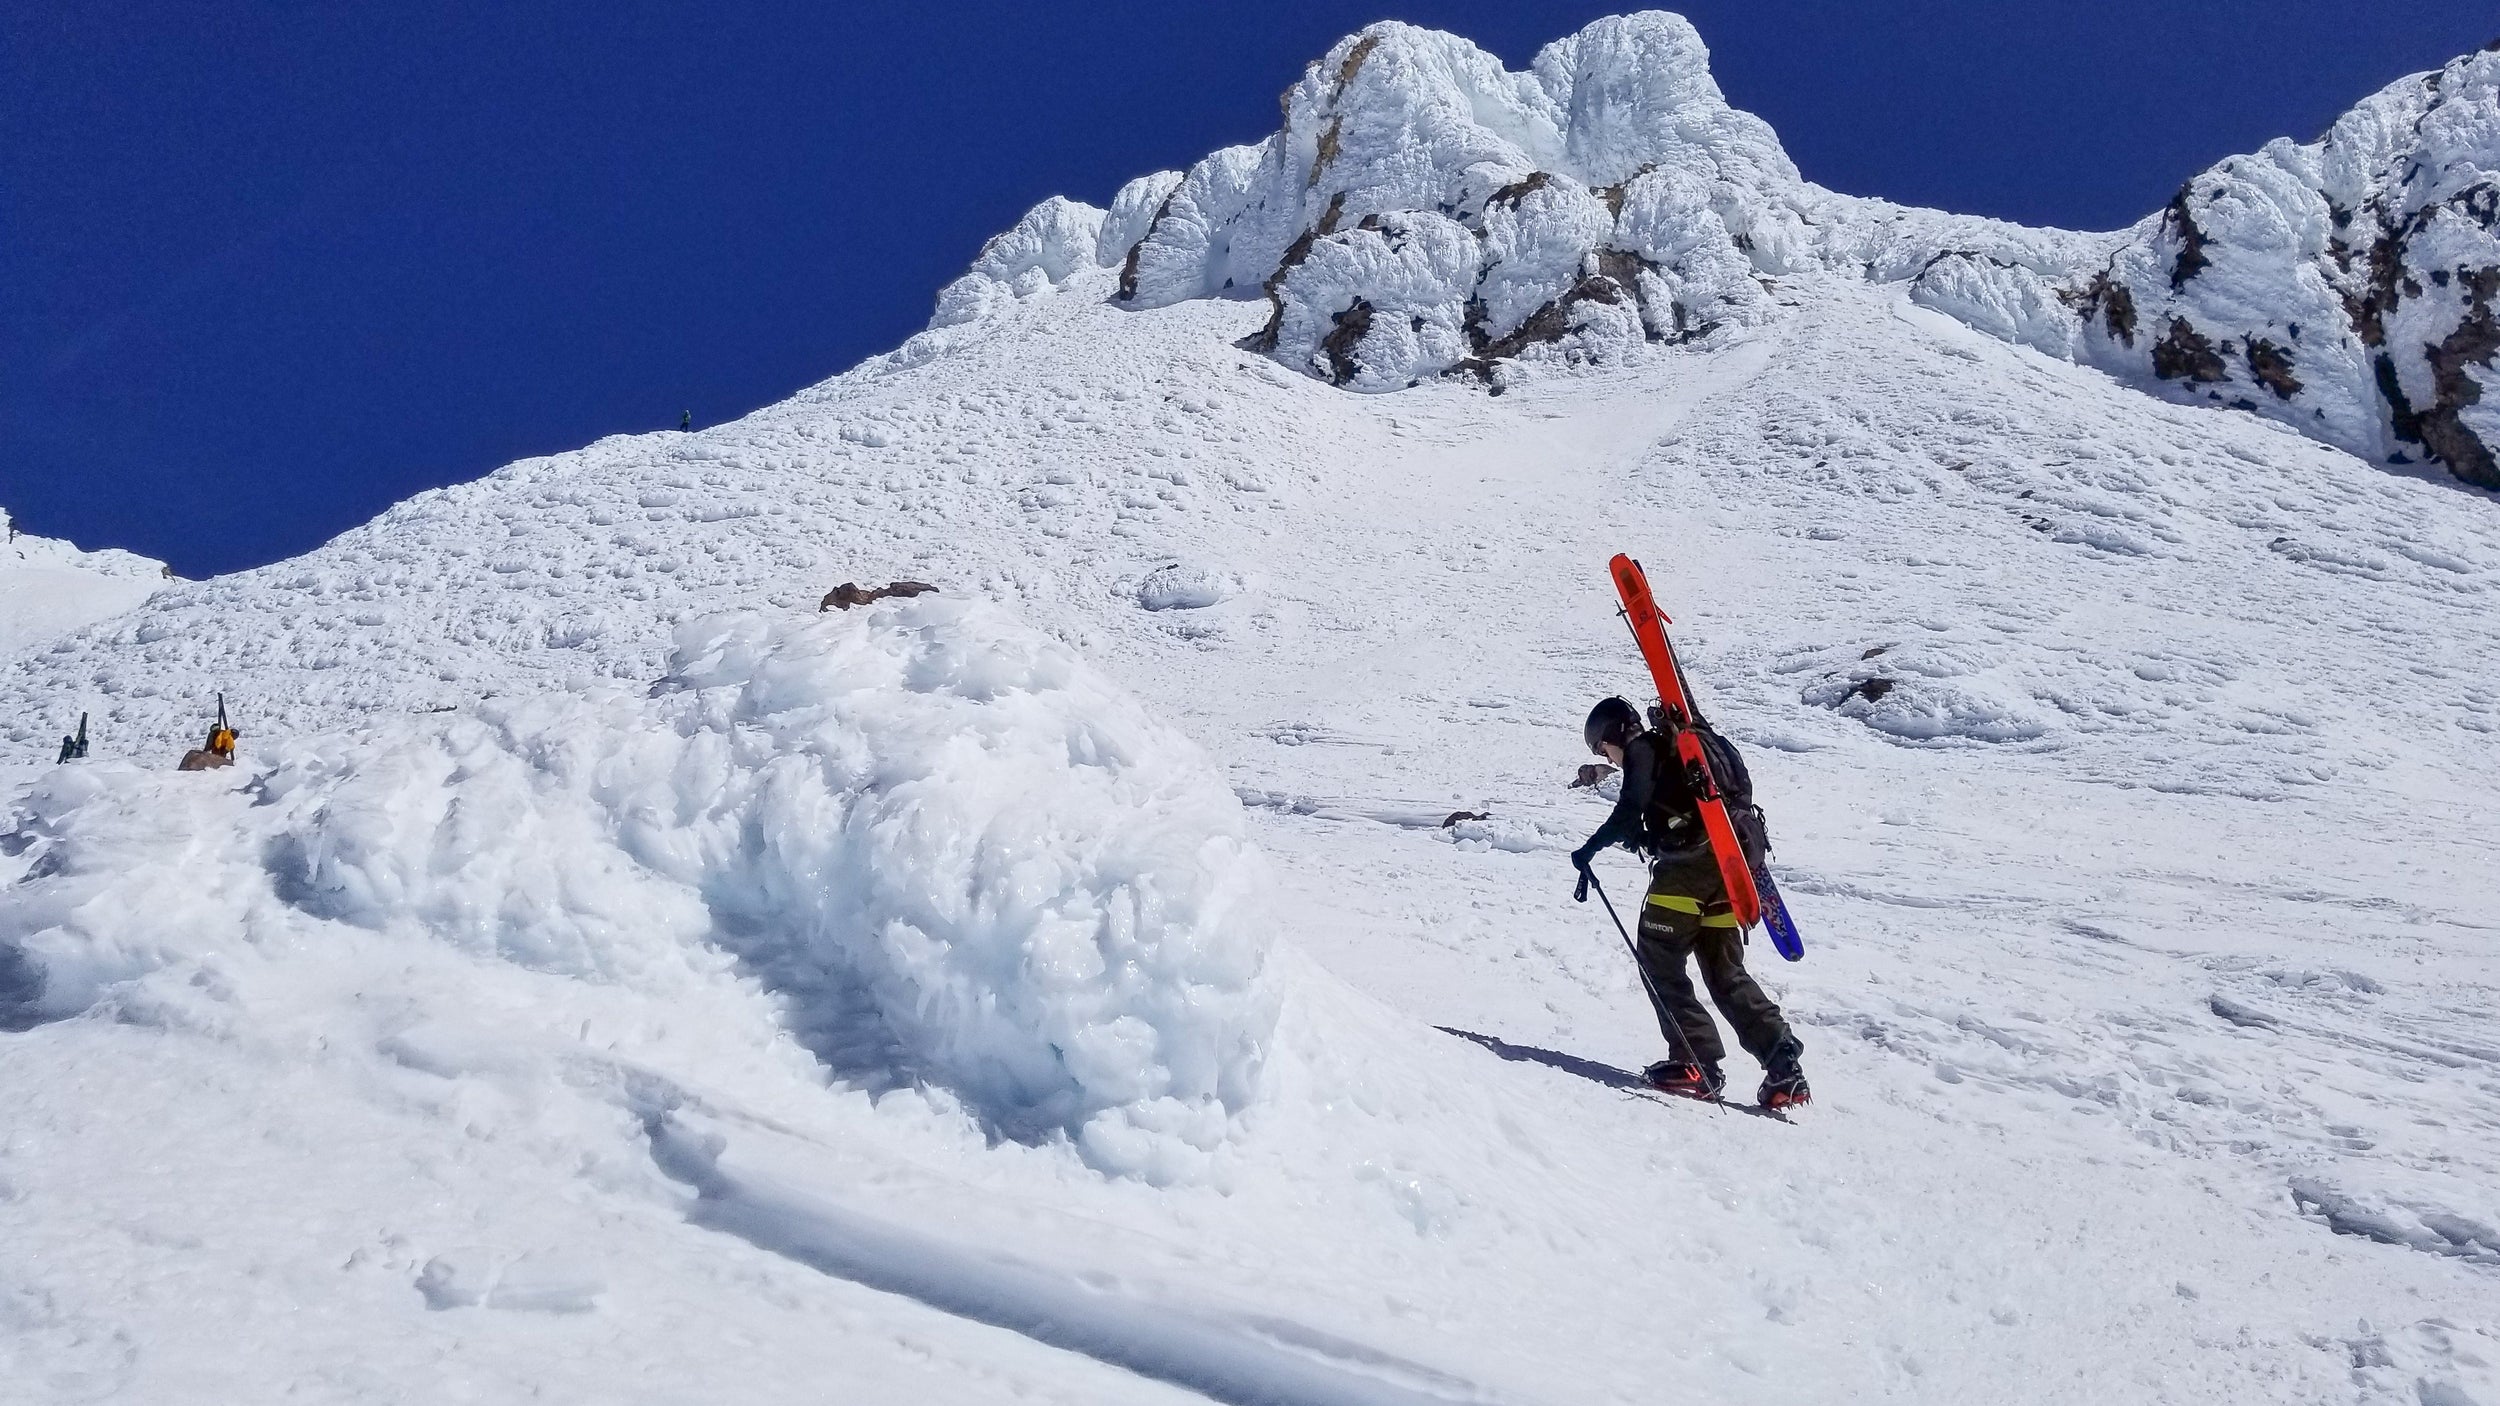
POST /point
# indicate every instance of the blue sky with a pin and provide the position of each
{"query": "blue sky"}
(267, 269)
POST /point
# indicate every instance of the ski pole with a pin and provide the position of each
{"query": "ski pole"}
(1675, 1029)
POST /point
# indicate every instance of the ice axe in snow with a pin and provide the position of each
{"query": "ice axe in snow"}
(1675, 1033)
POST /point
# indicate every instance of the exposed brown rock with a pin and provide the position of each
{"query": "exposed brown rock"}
(1550, 323)
(1625, 268)
(851, 593)
(1128, 266)
(2109, 300)
(2192, 257)
(2368, 309)
(1686, 329)
(2480, 202)
(2400, 416)
(2272, 367)
(1344, 339)
(2441, 427)
(1354, 62)
(2186, 354)
(1613, 194)
(1327, 150)
(1328, 218)
(1459, 815)
(1519, 190)
(1264, 340)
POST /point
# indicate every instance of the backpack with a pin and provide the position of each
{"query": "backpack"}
(1753, 830)
(1727, 766)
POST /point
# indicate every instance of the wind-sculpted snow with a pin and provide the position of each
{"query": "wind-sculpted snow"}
(958, 856)
(2343, 287)
(1424, 211)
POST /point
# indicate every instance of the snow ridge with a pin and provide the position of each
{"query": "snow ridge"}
(1423, 211)
(49, 587)
(2342, 286)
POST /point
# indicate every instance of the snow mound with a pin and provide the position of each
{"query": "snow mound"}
(1187, 586)
(957, 856)
(1053, 240)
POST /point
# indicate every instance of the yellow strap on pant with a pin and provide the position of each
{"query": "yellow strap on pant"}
(1678, 903)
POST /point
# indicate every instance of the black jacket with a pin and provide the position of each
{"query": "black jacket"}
(1655, 811)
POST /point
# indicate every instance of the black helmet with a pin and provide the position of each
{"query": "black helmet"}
(1612, 720)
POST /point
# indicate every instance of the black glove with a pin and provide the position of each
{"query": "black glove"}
(1580, 860)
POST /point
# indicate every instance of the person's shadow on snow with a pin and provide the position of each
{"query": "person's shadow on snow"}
(1596, 1073)
(1588, 1069)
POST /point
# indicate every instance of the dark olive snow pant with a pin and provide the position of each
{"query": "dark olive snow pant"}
(1687, 914)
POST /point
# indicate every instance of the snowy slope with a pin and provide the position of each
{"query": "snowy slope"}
(681, 1011)
(49, 587)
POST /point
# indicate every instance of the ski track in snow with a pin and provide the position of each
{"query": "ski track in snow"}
(2148, 994)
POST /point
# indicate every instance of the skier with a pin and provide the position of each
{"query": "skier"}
(685, 423)
(1685, 914)
(218, 751)
(74, 746)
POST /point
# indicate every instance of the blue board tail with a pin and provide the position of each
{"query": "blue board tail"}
(1775, 917)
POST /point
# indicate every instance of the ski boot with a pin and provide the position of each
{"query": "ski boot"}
(1783, 1081)
(1685, 1079)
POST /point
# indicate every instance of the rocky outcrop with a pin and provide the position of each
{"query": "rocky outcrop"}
(2341, 286)
(1423, 211)
(1465, 216)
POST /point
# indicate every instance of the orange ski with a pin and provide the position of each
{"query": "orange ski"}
(1649, 624)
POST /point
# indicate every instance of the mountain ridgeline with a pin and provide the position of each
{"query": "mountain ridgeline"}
(1425, 212)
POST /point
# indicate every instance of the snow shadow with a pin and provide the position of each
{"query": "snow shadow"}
(1243, 1359)
(1574, 1065)
(1623, 1080)
(21, 989)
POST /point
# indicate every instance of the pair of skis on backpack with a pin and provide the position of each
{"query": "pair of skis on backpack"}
(1750, 891)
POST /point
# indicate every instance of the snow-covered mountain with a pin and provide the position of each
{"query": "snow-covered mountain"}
(607, 975)
(49, 587)
(2343, 286)
(1423, 211)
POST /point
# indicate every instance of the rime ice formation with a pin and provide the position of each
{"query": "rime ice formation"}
(1424, 211)
(2343, 286)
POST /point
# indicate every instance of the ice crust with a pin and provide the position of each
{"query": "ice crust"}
(1422, 210)
(957, 855)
